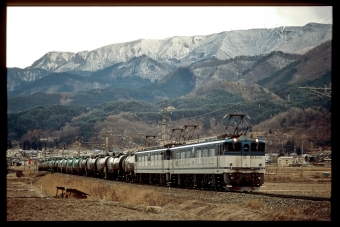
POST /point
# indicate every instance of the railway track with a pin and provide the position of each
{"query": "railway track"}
(312, 198)
(287, 196)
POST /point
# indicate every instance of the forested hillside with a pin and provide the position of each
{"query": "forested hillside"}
(128, 121)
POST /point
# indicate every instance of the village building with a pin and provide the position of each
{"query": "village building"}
(285, 161)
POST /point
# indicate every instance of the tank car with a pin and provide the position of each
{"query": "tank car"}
(48, 164)
(41, 166)
(111, 171)
(101, 166)
(62, 167)
(56, 165)
(82, 167)
(116, 168)
(76, 165)
(90, 166)
(69, 165)
(129, 168)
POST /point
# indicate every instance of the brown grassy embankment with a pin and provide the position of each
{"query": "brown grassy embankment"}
(186, 205)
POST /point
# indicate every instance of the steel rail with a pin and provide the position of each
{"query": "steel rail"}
(313, 198)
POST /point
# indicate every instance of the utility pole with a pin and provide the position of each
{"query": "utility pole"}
(63, 150)
(315, 145)
(107, 142)
(46, 148)
(45, 145)
(79, 147)
(78, 138)
(311, 146)
(164, 123)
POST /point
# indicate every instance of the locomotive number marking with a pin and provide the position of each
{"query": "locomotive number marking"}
(256, 157)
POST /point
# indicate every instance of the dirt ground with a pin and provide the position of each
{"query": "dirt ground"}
(27, 202)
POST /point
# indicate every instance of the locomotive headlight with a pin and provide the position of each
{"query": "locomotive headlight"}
(230, 164)
(260, 164)
(257, 140)
(234, 139)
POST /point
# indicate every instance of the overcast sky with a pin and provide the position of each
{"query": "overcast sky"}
(34, 31)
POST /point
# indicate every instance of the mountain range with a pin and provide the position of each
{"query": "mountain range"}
(171, 68)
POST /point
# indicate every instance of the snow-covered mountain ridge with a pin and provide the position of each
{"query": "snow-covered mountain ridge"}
(184, 50)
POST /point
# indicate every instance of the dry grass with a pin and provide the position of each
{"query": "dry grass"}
(297, 174)
(98, 191)
(182, 208)
(253, 204)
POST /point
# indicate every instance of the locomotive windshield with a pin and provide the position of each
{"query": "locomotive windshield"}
(229, 146)
(257, 147)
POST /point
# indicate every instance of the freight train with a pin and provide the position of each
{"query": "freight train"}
(226, 163)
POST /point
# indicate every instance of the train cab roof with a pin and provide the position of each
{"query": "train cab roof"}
(245, 138)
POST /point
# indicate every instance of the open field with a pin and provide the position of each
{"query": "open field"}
(33, 197)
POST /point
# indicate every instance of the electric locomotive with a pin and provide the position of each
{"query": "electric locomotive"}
(232, 164)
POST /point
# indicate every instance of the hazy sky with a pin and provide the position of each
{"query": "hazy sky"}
(34, 31)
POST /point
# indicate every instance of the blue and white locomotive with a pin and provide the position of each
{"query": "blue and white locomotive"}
(236, 164)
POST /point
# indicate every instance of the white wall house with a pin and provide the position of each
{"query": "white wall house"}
(285, 161)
